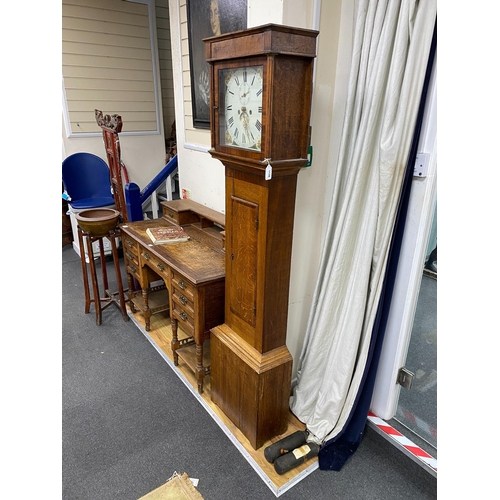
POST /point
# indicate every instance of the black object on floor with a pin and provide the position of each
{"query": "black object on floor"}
(285, 445)
(294, 458)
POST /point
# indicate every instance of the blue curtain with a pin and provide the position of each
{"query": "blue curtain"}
(335, 453)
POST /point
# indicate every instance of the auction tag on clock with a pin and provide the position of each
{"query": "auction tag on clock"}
(269, 172)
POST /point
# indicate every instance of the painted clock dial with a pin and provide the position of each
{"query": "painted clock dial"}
(241, 91)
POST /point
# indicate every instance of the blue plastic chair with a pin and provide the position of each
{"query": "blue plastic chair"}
(87, 182)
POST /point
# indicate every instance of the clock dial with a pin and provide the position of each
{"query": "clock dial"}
(242, 107)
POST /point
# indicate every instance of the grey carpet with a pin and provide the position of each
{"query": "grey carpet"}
(128, 422)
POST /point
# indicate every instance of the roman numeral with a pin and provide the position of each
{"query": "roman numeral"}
(230, 107)
(258, 92)
(230, 122)
(236, 133)
(260, 109)
(236, 80)
(258, 126)
(245, 75)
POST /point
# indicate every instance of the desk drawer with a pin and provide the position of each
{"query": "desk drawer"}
(178, 215)
(132, 246)
(133, 269)
(153, 262)
(182, 302)
(184, 317)
(130, 257)
(183, 299)
(181, 285)
(170, 215)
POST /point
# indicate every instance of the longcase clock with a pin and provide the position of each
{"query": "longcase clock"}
(261, 90)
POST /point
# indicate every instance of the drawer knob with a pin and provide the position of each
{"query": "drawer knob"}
(183, 315)
(147, 256)
(130, 244)
(160, 266)
(183, 300)
(182, 284)
(133, 268)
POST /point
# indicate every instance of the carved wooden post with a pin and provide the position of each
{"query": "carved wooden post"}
(111, 126)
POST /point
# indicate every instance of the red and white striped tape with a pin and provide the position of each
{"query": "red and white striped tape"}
(424, 426)
(403, 441)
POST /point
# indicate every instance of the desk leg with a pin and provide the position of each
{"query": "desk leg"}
(147, 311)
(131, 290)
(200, 370)
(118, 273)
(175, 340)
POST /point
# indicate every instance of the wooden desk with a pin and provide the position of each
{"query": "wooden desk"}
(192, 272)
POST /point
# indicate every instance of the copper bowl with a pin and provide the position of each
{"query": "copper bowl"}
(98, 221)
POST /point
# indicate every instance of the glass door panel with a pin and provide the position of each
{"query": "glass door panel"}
(417, 406)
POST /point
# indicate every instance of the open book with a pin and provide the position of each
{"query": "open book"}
(170, 234)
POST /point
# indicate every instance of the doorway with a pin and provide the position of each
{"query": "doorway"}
(416, 412)
(411, 335)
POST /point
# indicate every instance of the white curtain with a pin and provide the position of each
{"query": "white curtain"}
(390, 52)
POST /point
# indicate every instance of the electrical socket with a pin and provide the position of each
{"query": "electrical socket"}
(186, 194)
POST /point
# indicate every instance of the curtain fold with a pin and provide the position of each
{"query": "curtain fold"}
(390, 53)
(335, 452)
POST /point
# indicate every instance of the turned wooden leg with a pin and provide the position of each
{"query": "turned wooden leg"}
(175, 340)
(131, 292)
(147, 311)
(118, 273)
(200, 371)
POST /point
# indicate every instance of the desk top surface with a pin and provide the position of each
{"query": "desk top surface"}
(194, 258)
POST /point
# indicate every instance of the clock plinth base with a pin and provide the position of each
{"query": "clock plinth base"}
(251, 388)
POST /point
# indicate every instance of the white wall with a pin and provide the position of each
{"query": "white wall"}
(204, 176)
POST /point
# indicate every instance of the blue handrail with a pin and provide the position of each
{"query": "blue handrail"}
(134, 197)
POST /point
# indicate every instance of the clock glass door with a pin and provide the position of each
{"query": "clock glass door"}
(240, 107)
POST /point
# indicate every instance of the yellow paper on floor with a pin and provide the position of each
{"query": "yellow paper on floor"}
(178, 487)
